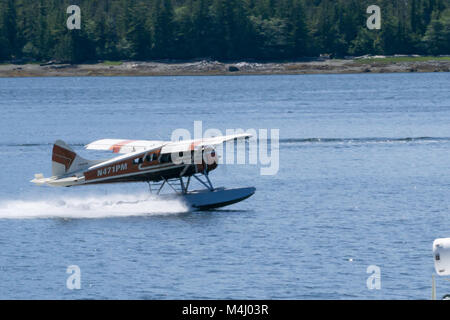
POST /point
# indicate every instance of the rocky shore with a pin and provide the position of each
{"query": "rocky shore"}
(208, 67)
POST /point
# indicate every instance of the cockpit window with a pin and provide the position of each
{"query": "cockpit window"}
(151, 157)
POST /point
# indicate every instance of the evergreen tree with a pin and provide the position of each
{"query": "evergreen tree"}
(10, 29)
(162, 29)
(202, 37)
(137, 35)
(437, 36)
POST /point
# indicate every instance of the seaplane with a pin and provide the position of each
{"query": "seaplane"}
(158, 163)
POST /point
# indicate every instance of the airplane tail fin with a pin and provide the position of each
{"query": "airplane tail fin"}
(65, 160)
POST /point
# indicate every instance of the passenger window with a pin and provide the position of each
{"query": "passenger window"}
(165, 158)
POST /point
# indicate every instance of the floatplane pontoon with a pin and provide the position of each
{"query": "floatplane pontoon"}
(159, 163)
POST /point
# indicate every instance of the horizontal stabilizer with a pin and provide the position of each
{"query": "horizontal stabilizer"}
(56, 182)
(39, 176)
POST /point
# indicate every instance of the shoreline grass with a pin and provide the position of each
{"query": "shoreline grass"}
(393, 60)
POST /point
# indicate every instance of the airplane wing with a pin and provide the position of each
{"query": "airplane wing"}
(128, 146)
(190, 145)
(124, 145)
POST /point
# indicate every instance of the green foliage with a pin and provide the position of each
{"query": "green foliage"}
(437, 36)
(113, 30)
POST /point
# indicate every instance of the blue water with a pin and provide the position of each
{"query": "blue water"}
(364, 180)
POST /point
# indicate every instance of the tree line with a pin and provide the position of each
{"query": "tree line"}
(219, 29)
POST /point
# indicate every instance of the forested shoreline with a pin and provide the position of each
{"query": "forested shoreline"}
(35, 30)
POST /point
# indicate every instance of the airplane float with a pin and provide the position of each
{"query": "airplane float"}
(158, 163)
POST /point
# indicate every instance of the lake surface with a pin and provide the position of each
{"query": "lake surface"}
(364, 179)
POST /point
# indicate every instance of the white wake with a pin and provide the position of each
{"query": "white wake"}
(93, 206)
